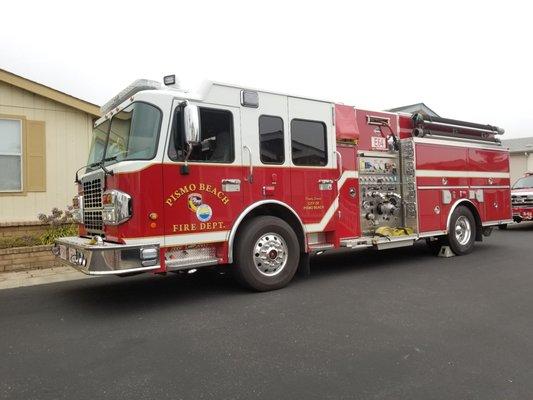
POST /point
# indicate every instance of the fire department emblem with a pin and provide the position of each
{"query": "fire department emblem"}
(194, 201)
(204, 213)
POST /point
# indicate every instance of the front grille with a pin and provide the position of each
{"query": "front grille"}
(93, 221)
(92, 205)
(519, 200)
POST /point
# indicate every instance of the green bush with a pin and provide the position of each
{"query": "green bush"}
(60, 223)
(16, 241)
(54, 232)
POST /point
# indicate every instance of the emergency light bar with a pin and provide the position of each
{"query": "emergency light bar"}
(135, 87)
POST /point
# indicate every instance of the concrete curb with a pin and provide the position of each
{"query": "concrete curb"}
(9, 280)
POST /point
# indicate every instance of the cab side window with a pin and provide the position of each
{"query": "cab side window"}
(271, 144)
(216, 136)
(308, 141)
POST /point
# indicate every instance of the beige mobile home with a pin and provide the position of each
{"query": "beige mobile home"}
(44, 138)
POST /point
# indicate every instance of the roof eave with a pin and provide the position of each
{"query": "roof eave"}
(49, 93)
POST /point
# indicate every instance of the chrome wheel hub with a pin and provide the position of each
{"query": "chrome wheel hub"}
(270, 254)
(463, 230)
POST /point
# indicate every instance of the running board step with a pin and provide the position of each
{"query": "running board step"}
(320, 246)
(176, 265)
(356, 243)
(379, 242)
(394, 244)
(177, 259)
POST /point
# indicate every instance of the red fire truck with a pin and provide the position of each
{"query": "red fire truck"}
(522, 199)
(179, 180)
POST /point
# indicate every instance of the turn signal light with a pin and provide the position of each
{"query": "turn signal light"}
(77, 209)
(107, 198)
(116, 207)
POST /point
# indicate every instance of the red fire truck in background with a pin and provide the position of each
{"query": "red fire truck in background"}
(179, 180)
(522, 199)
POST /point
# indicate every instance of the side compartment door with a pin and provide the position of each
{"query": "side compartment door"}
(313, 163)
(201, 205)
(497, 204)
(349, 224)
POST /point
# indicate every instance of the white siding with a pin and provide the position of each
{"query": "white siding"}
(520, 163)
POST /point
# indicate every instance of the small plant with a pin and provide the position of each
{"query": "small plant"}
(60, 223)
(18, 241)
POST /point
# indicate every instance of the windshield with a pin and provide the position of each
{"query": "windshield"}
(524, 183)
(130, 135)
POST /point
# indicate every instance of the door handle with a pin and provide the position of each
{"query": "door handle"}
(251, 173)
(339, 164)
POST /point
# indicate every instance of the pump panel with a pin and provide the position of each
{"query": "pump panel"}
(380, 192)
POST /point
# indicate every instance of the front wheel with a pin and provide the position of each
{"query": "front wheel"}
(462, 231)
(267, 253)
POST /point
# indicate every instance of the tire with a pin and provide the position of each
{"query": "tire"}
(267, 253)
(462, 231)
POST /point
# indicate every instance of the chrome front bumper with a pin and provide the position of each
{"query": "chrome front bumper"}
(106, 258)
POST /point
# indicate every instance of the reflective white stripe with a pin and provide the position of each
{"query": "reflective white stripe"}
(346, 175)
(123, 167)
(193, 238)
(463, 187)
(458, 143)
(443, 187)
(490, 187)
(460, 174)
(320, 226)
(145, 240)
(182, 239)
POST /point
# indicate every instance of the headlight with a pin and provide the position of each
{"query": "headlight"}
(77, 209)
(117, 207)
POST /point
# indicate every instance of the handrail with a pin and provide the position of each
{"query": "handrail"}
(251, 174)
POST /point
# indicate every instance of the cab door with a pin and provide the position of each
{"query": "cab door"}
(265, 150)
(314, 172)
(202, 201)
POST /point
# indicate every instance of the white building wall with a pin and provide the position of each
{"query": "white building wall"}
(520, 163)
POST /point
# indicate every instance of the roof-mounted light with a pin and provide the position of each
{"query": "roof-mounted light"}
(169, 80)
(135, 87)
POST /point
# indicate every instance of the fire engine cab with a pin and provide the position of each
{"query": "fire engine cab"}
(522, 199)
(178, 180)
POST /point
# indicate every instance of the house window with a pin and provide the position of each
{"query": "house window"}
(10, 155)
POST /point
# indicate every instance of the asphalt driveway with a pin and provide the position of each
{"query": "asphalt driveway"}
(397, 324)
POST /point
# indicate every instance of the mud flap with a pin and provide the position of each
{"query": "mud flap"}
(304, 267)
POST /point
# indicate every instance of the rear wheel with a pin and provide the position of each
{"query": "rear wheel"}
(266, 254)
(462, 231)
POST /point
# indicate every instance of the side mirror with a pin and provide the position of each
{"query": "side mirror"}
(191, 127)
(191, 124)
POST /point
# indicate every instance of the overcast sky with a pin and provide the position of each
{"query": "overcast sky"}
(465, 60)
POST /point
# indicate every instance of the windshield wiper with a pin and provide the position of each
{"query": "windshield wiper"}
(100, 164)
